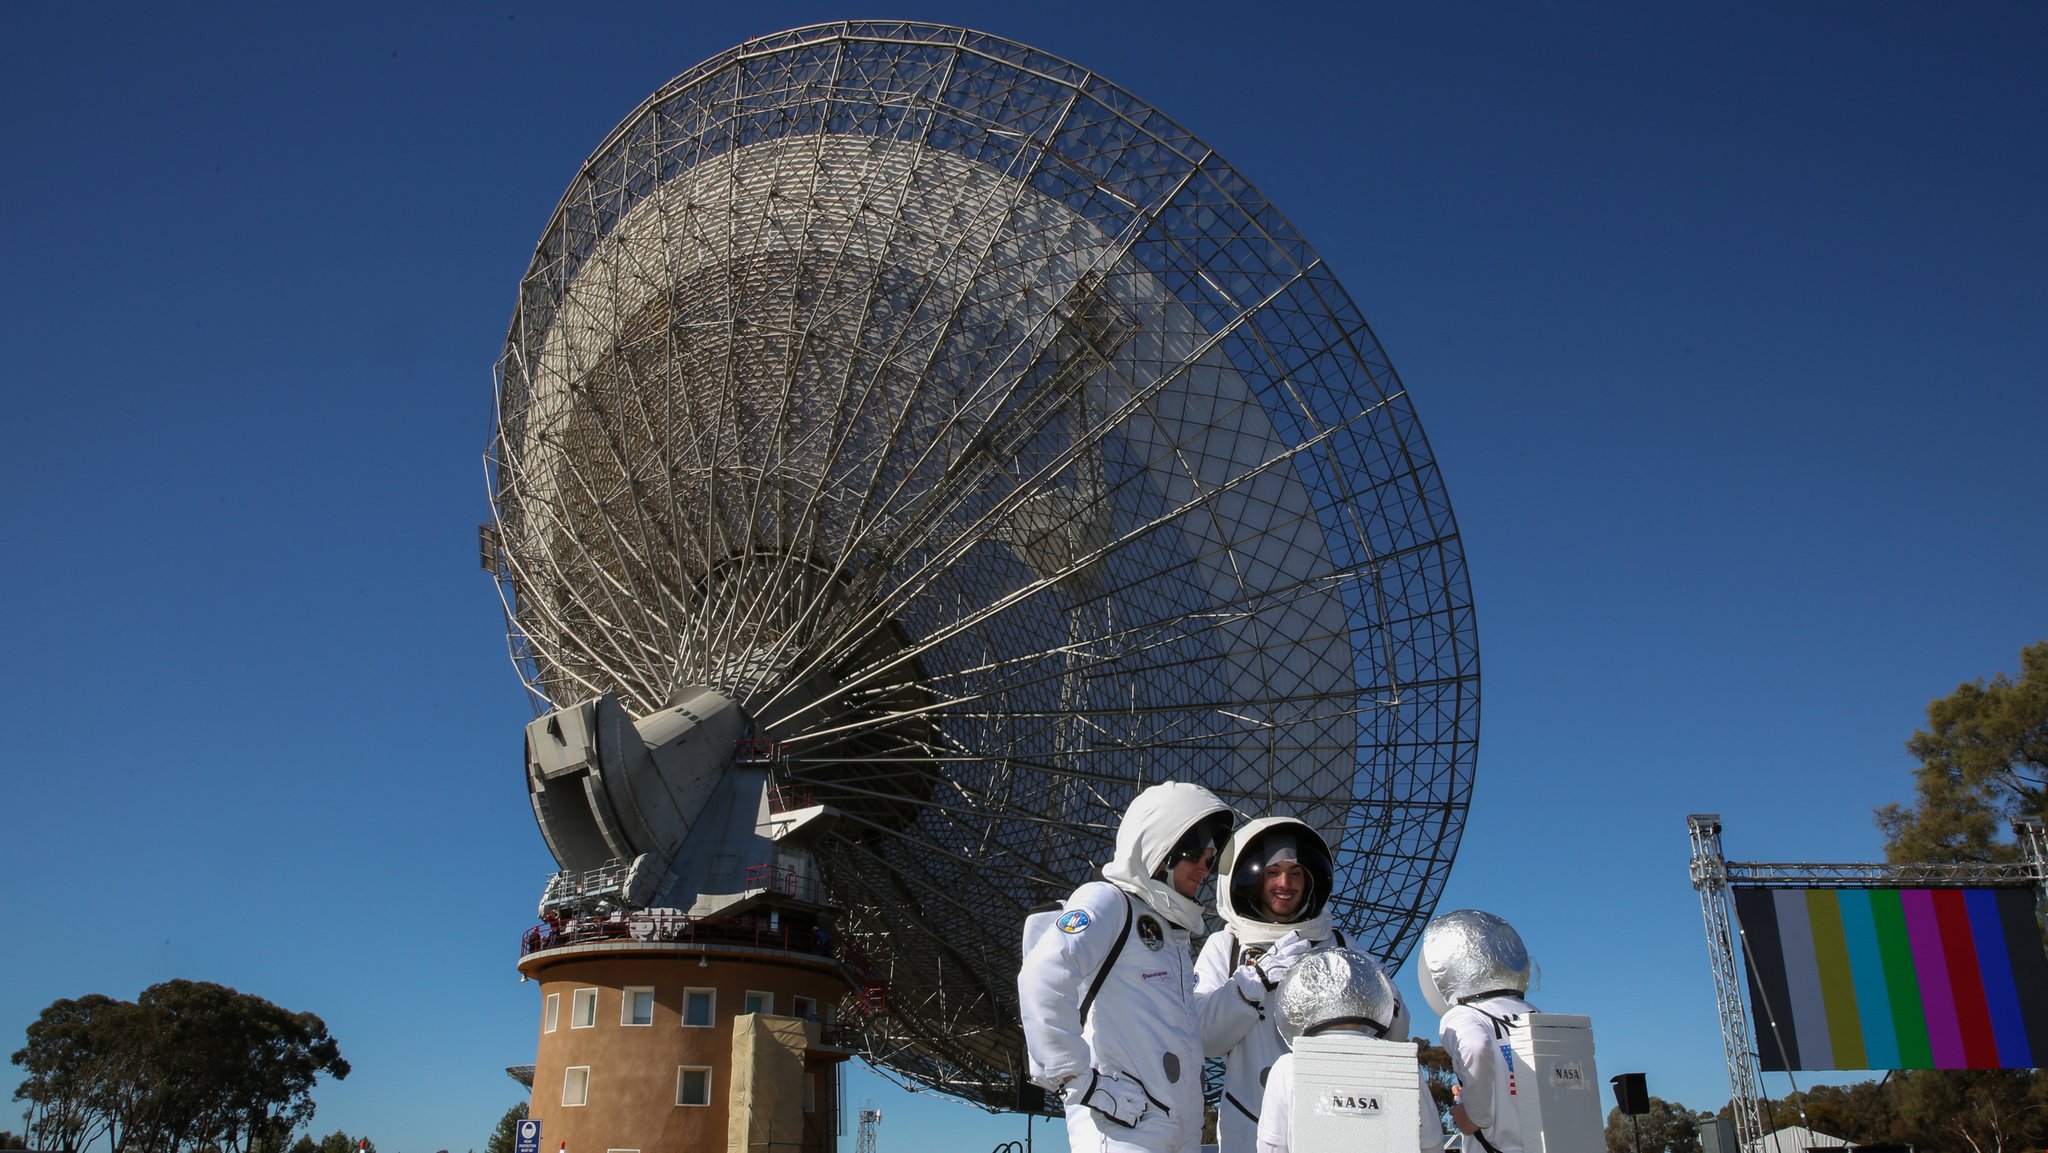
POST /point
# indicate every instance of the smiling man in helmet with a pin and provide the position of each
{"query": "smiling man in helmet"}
(1107, 994)
(1274, 901)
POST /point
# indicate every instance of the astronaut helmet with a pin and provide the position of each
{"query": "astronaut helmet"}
(1332, 987)
(1198, 842)
(1467, 954)
(1269, 842)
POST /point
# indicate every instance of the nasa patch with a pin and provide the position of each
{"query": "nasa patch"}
(1073, 920)
(1150, 933)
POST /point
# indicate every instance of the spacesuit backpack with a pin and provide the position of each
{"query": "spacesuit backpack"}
(1547, 1058)
(1353, 1091)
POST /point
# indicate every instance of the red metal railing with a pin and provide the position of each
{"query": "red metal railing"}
(758, 932)
(839, 1037)
(788, 882)
(873, 995)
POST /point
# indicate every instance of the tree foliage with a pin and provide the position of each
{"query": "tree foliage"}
(70, 1070)
(1983, 763)
(505, 1138)
(1866, 1112)
(1931, 1110)
(1667, 1128)
(1436, 1070)
(335, 1142)
(1974, 1110)
(187, 1065)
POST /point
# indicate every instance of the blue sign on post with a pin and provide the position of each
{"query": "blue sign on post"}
(528, 1140)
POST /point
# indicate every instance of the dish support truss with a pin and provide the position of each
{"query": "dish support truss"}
(999, 450)
(1713, 875)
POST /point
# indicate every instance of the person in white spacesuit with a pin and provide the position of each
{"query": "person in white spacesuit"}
(1328, 993)
(1475, 974)
(1274, 901)
(1107, 994)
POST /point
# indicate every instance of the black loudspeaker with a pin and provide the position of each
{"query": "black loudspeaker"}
(1030, 1098)
(1631, 1092)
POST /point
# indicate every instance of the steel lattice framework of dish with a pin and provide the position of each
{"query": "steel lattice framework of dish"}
(1000, 450)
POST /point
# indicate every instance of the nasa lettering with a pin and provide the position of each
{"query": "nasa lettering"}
(1351, 1104)
(1568, 1076)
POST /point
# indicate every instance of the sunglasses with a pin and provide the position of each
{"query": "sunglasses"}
(1196, 847)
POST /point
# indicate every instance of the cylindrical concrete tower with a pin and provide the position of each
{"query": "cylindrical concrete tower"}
(687, 1034)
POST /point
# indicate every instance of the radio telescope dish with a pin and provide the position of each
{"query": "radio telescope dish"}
(967, 428)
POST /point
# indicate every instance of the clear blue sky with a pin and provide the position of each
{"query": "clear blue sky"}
(1726, 323)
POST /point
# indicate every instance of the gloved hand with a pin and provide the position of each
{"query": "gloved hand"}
(1274, 965)
(1113, 1095)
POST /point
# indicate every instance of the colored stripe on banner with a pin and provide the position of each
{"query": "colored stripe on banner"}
(1837, 986)
(2029, 966)
(1809, 1012)
(1966, 983)
(1777, 1043)
(1895, 979)
(1944, 1035)
(1901, 980)
(1866, 974)
(2001, 999)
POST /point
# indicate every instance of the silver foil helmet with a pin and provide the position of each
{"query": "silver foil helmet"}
(1334, 987)
(1468, 954)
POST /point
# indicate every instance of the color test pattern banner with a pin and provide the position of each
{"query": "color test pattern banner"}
(1895, 978)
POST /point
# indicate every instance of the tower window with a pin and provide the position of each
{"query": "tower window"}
(636, 1006)
(576, 1085)
(700, 1008)
(759, 1002)
(693, 1085)
(583, 1009)
(552, 1015)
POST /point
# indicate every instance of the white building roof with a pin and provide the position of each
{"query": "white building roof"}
(1793, 1139)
